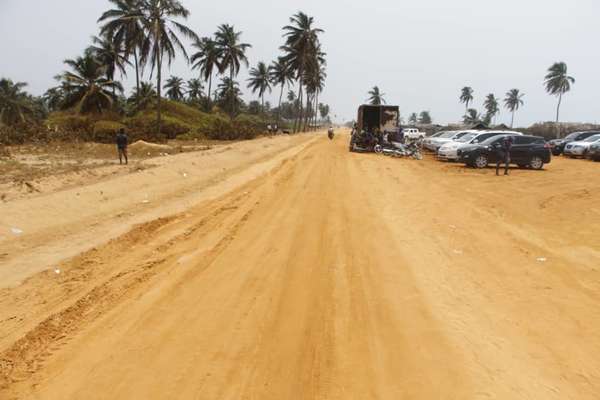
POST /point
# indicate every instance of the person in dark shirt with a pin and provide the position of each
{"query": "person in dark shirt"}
(503, 154)
(122, 142)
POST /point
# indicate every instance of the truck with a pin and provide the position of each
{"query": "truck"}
(383, 118)
(373, 119)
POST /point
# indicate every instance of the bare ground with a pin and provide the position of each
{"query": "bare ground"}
(289, 268)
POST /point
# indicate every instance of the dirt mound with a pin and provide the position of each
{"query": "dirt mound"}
(146, 148)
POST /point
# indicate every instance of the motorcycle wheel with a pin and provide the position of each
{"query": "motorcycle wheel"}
(378, 149)
(417, 155)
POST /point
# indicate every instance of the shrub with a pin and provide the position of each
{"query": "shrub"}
(62, 121)
(248, 126)
(143, 126)
(105, 131)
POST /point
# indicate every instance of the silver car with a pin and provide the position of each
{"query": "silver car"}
(580, 148)
(449, 136)
(449, 151)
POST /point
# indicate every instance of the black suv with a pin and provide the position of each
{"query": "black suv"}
(558, 145)
(526, 151)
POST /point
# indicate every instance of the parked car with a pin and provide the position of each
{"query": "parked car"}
(435, 143)
(594, 152)
(581, 147)
(427, 140)
(449, 151)
(527, 151)
(558, 145)
(413, 133)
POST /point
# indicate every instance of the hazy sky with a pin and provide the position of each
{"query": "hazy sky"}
(420, 53)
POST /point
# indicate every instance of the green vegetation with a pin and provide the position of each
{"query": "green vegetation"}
(376, 97)
(558, 82)
(466, 96)
(89, 102)
(513, 100)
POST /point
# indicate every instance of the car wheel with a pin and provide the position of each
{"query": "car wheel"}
(481, 161)
(536, 162)
(556, 152)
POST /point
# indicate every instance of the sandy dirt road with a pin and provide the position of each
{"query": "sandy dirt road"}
(327, 275)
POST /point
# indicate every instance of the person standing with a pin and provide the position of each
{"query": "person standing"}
(122, 143)
(503, 154)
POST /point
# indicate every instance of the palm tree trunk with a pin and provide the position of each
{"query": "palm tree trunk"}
(209, 91)
(557, 115)
(279, 107)
(512, 120)
(262, 103)
(299, 111)
(231, 94)
(307, 117)
(316, 109)
(137, 70)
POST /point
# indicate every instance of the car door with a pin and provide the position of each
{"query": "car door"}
(492, 151)
(520, 153)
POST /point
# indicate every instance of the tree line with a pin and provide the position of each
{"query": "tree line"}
(146, 36)
(557, 82)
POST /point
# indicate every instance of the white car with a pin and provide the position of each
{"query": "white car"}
(580, 148)
(450, 136)
(449, 151)
(413, 133)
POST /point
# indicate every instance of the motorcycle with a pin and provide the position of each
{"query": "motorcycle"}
(396, 149)
(363, 142)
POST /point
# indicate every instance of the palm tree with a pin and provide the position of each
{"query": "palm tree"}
(206, 59)
(301, 44)
(291, 96)
(466, 96)
(413, 118)
(174, 88)
(195, 89)
(376, 97)
(558, 83)
(229, 93)
(86, 85)
(315, 81)
(15, 104)
(260, 82)
(281, 74)
(513, 100)
(109, 53)
(143, 97)
(472, 117)
(53, 98)
(124, 24)
(491, 106)
(425, 118)
(231, 52)
(161, 39)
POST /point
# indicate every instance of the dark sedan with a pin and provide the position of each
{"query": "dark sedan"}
(526, 151)
(558, 145)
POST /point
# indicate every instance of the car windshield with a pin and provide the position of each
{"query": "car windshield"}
(491, 140)
(447, 135)
(594, 138)
(572, 136)
(466, 138)
(438, 134)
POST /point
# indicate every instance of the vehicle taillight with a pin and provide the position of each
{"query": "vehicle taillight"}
(547, 146)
